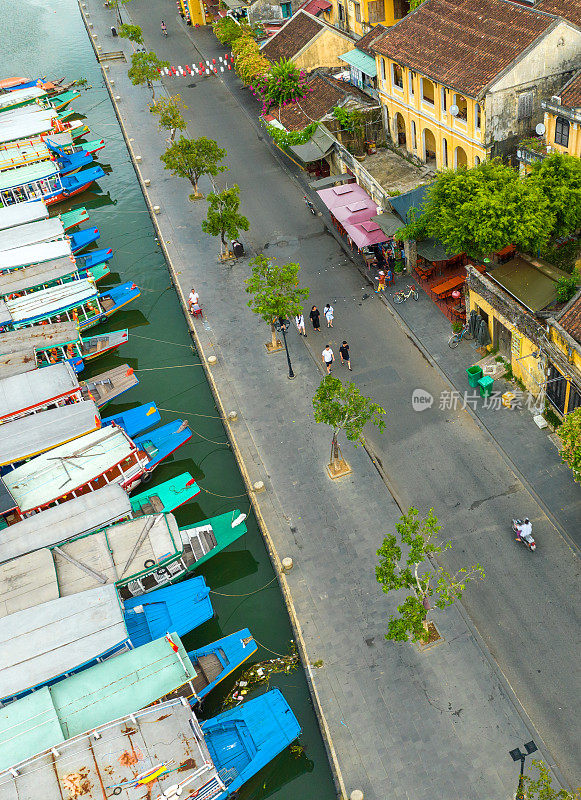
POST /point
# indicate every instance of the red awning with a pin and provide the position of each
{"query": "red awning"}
(315, 7)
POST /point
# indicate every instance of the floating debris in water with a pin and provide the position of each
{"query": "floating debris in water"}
(259, 675)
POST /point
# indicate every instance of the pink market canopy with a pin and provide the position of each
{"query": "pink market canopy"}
(355, 210)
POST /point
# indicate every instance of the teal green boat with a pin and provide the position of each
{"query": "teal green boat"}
(166, 496)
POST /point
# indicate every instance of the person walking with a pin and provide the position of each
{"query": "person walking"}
(193, 299)
(300, 323)
(329, 313)
(314, 315)
(328, 357)
(344, 353)
(380, 282)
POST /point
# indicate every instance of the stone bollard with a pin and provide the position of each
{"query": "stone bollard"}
(258, 486)
(356, 794)
(156, 210)
(117, 97)
(212, 360)
(147, 182)
(232, 416)
(287, 564)
(138, 159)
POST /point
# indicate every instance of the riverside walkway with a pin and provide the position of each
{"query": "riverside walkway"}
(399, 722)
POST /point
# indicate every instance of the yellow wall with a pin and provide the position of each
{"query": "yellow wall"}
(324, 51)
(195, 8)
(574, 147)
(526, 368)
(363, 25)
(465, 141)
(558, 341)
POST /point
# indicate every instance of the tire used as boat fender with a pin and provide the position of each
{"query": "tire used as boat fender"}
(149, 563)
(103, 318)
(146, 478)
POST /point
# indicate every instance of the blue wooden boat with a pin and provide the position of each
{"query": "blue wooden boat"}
(69, 163)
(83, 238)
(82, 629)
(245, 739)
(135, 420)
(217, 660)
(44, 181)
(94, 258)
(162, 442)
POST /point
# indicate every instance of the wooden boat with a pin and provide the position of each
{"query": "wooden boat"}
(188, 549)
(77, 301)
(44, 230)
(62, 99)
(34, 127)
(70, 219)
(81, 629)
(101, 343)
(135, 420)
(165, 738)
(25, 438)
(160, 443)
(106, 455)
(43, 346)
(44, 181)
(38, 390)
(83, 238)
(15, 83)
(17, 363)
(166, 496)
(108, 386)
(21, 97)
(36, 253)
(22, 214)
(66, 143)
(20, 282)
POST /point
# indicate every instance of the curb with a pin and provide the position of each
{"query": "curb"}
(273, 554)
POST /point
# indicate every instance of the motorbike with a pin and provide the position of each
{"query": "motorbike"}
(309, 205)
(527, 540)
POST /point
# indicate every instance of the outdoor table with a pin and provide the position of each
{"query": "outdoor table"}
(445, 289)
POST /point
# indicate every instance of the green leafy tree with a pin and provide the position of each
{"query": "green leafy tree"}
(570, 434)
(116, 4)
(227, 30)
(343, 408)
(414, 573)
(192, 158)
(567, 287)
(481, 210)
(275, 292)
(415, 4)
(540, 788)
(145, 68)
(223, 217)
(558, 178)
(249, 61)
(131, 32)
(283, 83)
(170, 116)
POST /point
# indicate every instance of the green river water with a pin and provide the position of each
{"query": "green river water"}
(47, 37)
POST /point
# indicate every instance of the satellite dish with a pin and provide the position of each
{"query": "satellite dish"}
(454, 110)
(540, 129)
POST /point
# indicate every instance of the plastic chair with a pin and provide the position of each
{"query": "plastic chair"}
(196, 311)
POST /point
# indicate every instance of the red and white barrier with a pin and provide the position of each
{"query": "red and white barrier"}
(203, 69)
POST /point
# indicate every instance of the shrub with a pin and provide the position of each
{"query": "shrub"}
(566, 287)
(250, 64)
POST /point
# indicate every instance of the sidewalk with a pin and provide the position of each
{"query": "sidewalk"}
(403, 723)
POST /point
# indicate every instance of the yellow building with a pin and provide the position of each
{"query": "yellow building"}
(359, 16)
(459, 81)
(194, 10)
(509, 298)
(563, 118)
(307, 41)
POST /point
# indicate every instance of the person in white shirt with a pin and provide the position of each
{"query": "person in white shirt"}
(525, 530)
(300, 323)
(329, 312)
(193, 299)
(328, 358)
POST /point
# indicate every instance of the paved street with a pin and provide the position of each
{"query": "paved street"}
(403, 722)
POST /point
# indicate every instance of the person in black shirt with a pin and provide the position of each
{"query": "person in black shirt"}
(314, 315)
(344, 352)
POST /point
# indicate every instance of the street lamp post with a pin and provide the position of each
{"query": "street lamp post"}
(516, 755)
(281, 325)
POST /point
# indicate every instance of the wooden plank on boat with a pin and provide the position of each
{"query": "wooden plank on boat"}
(27, 582)
(108, 385)
(17, 364)
(81, 515)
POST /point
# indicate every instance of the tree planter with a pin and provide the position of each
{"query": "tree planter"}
(338, 468)
(433, 639)
(273, 348)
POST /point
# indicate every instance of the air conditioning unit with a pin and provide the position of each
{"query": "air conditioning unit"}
(556, 100)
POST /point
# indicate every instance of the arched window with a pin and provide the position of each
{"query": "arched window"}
(477, 116)
(444, 153)
(476, 161)
(562, 132)
(427, 91)
(462, 106)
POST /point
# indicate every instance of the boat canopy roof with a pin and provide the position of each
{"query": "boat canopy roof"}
(81, 515)
(28, 436)
(21, 96)
(36, 388)
(63, 139)
(19, 280)
(40, 337)
(37, 253)
(33, 110)
(7, 502)
(22, 213)
(28, 174)
(17, 363)
(41, 643)
(166, 733)
(58, 472)
(47, 302)
(31, 125)
(44, 230)
(84, 701)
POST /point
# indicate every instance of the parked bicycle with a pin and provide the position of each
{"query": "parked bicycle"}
(455, 339)
(401, 297)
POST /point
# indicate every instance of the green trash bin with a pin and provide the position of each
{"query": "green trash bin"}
(485, 384)
(474, 375)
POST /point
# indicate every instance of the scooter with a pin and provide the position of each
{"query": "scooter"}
(527, 540)
(310, 206)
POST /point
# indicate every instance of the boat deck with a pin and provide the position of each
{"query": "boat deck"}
(108, 385)
(17, 363)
